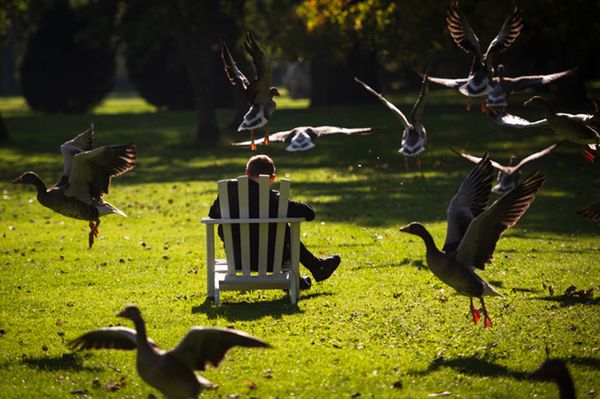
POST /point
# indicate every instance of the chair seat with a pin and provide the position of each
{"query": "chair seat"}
(253, 282)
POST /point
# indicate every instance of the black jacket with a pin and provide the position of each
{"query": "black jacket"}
(295, 209)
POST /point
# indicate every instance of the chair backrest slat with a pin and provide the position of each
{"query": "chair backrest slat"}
(284, 196)
(263, 213)
(244, 205)
(224, 208)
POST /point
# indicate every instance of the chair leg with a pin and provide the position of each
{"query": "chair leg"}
(293, 292)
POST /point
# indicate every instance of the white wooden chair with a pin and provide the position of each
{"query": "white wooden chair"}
(221, 274)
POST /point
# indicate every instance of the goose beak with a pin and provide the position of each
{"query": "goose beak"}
(527, 103)
(18, 180)
(405, 229)
(121, 313)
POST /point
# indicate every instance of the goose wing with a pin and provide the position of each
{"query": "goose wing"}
(592, 211)
(203, 345)
(479, 242)
(231, 70)
(452, 83)
(418, 110)
(522, 82)
(511, 29)
(461, 31)
(468, 203)
(475, 159)
(328, 130)
(514, 121)
(108, 338)
(388, 104)
(82, 142)
(93, 170)
(258, 90)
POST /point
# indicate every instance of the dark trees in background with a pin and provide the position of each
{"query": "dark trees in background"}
(3, 131)
(69, 60)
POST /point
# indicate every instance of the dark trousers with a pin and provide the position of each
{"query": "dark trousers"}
(307, 259)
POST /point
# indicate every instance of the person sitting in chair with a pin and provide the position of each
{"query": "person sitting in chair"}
(320, 268)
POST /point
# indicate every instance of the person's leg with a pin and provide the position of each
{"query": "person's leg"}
(320, 268)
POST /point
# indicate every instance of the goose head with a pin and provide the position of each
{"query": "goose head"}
(27, 178)
(274, 92)
(415, 228)
(131, 312)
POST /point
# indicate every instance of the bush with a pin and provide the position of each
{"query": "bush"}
(69, 61)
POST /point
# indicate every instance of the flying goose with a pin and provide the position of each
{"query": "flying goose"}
(302, 138)
(86, 177)
(508, 176)
(473, 231)
(414, 135)
(578, 128)
(555, 370)
(258, 91)
(478, 83)
(171, 372)
(592, 211)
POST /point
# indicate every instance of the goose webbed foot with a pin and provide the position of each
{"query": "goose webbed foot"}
(474, 312)
(588, 155)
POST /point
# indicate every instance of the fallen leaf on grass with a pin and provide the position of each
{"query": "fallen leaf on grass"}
(250, 384)
(397, 385)
(81, 392)
(435, 395)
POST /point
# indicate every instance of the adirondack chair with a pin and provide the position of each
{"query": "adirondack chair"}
(222, 274)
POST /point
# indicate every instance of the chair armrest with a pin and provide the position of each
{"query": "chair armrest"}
(252, 220)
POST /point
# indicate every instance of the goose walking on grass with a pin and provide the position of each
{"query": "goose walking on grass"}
(302, 138)
(171, 372)
(555, 370)
(508, 175)
(414, 136)
(579, 128)
(479, 81)
(259, 94)
(473, 231)
(87, 175)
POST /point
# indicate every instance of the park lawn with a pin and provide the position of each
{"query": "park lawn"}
(382, 326)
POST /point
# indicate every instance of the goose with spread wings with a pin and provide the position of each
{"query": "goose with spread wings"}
(86, 177)
(473, 230)
(259, 92)
(479, 81)
(303, 138)
(592, 211)
(414, 136)
(578, 128)
(508, 175)
(171, 372)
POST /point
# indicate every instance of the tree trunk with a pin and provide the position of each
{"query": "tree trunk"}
(193, 49)
(3, 131)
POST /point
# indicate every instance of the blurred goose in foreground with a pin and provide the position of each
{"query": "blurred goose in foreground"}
(86, 177)
(578, 128)
(555, 370)
(478, 83)
(508, 176)
(171, 372)
(258, 91)
(302, 138)
(473, 231)
(414, 135)
(592, 211)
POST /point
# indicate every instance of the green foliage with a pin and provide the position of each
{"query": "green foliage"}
(382, 326)
(68, 65)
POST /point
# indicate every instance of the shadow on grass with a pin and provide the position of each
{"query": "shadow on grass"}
(474, 366)
(244, 311)
(419, 264)
(565, 301)
(67, 362)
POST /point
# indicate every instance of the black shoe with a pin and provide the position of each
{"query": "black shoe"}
(305, 283)
(326, 267)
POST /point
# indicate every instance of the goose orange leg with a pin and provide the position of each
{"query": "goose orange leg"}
(267, 141)
(474, 312)
(93, 231)
(405, 163)
(484, 105)
(469, 103)
(587, 154)
(252, 144)
(419, 161)
(487, 320)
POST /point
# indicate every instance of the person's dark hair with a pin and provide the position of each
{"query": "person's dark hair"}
(260, 165)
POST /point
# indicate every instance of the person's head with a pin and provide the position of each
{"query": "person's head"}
(260, 165)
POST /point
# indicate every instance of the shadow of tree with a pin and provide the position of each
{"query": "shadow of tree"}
(67, 361)
(473, 365)
(566, 301)
(248, 311)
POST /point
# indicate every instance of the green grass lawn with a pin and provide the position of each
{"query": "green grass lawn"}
(382, 326)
